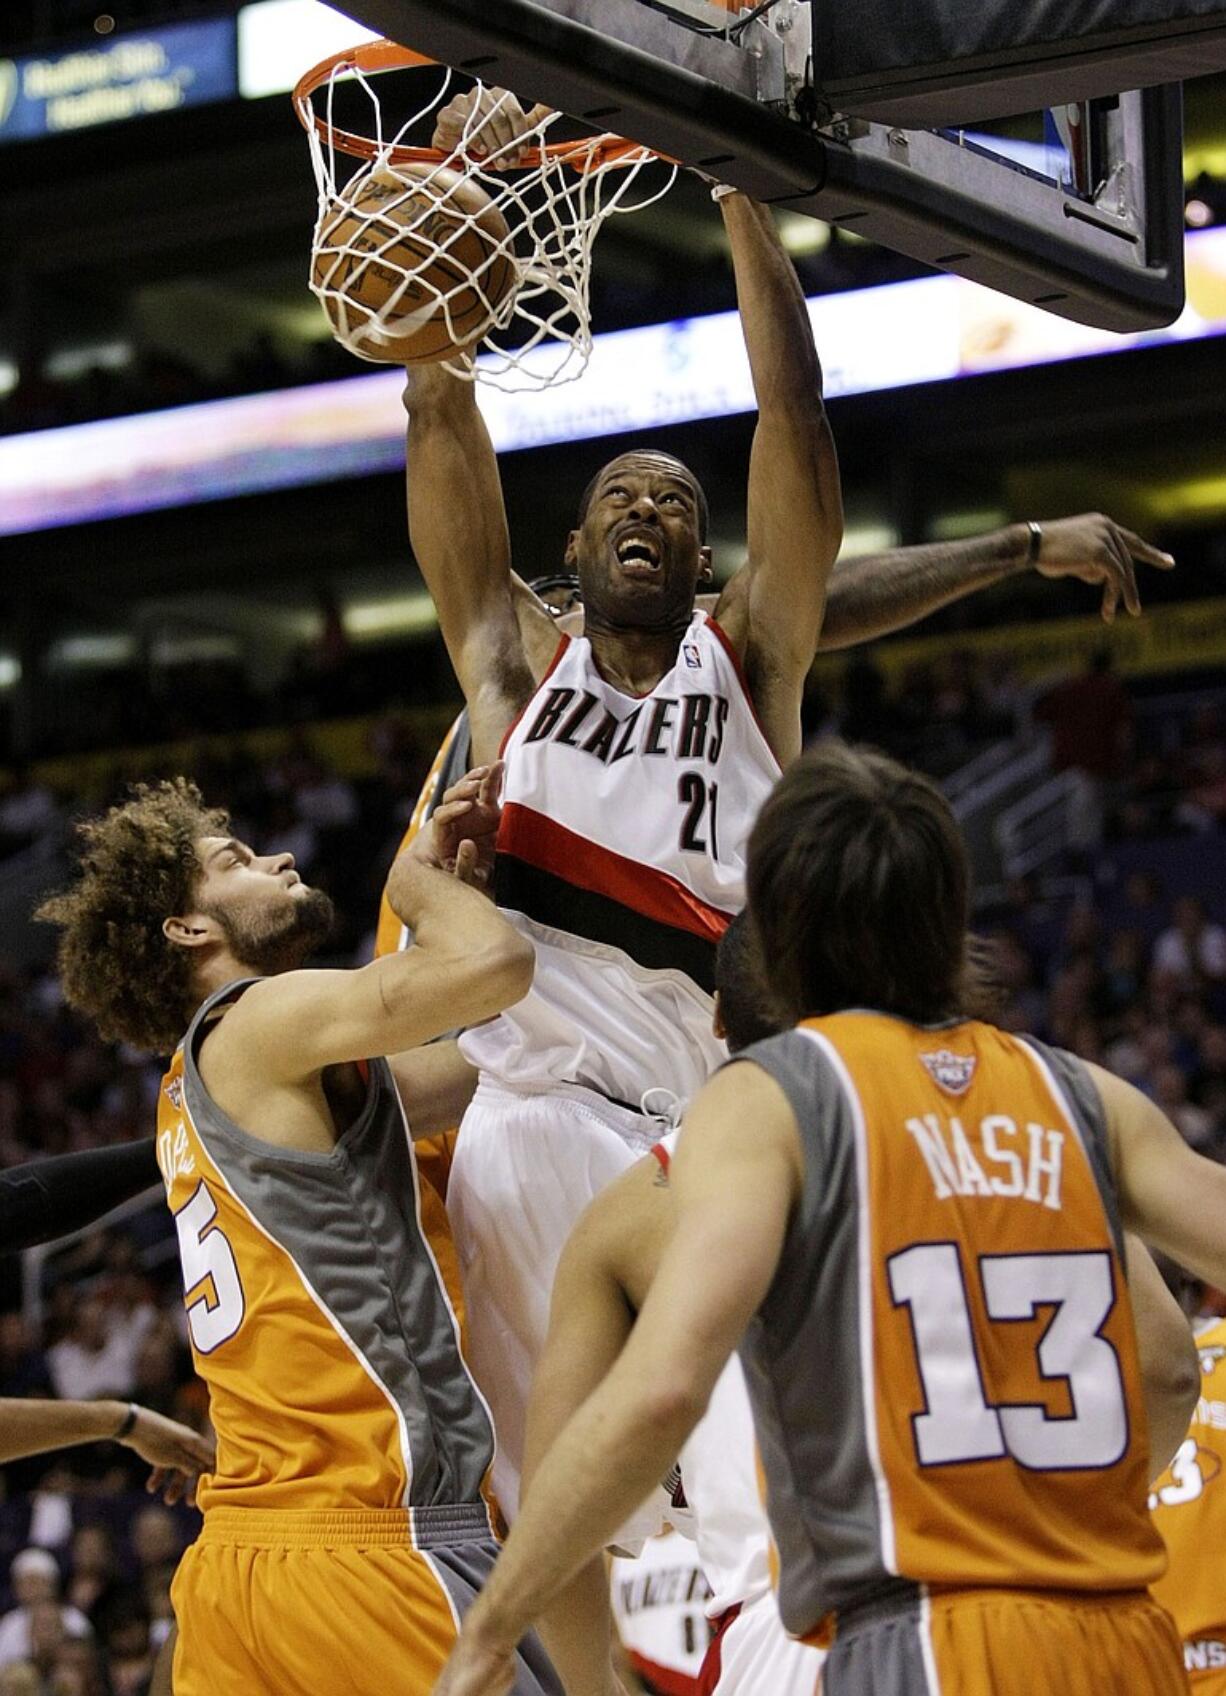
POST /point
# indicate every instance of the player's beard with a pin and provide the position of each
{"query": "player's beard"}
(282, 941)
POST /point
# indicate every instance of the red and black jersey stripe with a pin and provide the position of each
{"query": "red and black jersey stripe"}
(564, 881)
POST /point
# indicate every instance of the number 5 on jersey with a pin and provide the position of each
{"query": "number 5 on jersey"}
(212, 1287)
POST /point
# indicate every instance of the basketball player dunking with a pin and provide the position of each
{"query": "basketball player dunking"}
(911, 1222)
(636, 759)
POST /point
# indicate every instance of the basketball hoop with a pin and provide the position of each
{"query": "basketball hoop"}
(553, 196)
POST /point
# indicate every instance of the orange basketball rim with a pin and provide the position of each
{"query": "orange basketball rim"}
(591, 153)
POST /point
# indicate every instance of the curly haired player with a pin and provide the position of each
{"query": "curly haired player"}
(346, 1526)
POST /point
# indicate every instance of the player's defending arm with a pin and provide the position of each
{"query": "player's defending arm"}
(880, 593)
(466, 964)
(733, 1198)
(1172, 1198)
(1170, 1365)
(795, 507)
(602, 1279)
(176, 1453)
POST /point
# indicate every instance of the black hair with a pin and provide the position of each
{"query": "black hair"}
(746, 1007)
(859, 888)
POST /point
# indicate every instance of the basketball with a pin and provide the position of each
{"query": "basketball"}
(412, 265)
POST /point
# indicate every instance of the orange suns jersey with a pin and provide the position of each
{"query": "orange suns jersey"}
(944, 1374)
(1189, 1503)
(434, 1154)
(320, 1308)
(450, 764)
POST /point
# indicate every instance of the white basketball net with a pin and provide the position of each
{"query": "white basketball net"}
(539, 333)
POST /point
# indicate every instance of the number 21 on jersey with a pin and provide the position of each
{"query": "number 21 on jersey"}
(1076, 1291)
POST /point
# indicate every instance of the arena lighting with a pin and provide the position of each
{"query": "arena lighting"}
(926, 331)
(279, 39)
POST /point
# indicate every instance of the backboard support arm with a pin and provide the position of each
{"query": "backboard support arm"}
(1115, 262)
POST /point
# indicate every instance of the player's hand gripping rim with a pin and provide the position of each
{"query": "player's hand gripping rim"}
(489, 126)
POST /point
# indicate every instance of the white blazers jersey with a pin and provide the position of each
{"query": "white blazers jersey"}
(621, 854)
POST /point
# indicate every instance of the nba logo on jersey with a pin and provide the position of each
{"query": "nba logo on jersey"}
(691, 655)
(950, 1072)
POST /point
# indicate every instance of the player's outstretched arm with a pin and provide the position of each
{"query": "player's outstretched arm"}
(795, 506)
(45, 1199)
(880, 593)
(733, 1197)
(1170, 1365)
(458, 531)
(606, 1268)
(1170, 1197)
(34, 1427)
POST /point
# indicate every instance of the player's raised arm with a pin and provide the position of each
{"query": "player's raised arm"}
(458, 529)
(466, 964)
(795, 506)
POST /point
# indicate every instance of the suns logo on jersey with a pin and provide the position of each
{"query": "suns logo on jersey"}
(175, 1155)
(950, 1072)
(174, 1093)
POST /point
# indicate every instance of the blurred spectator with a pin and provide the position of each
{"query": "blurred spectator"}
(1170, 1092)
(98, 1356)
(93, 1574)
(20, 1678)
(27, 812)
(1090, 718)
(1192, 947)
(157, 1539)
(38, 1624)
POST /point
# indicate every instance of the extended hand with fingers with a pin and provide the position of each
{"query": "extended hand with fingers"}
(176, 1453)
(486, 125)
(1097, 550)
(463, 828)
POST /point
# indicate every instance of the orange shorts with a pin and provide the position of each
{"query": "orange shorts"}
(1205, 1659)
(296, 1604)
(1008, 1643)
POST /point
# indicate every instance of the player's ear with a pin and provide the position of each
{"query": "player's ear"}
(191, 930)
(705, 569)
(571, 557)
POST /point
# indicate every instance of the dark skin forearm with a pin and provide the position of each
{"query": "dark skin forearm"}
(881, 593)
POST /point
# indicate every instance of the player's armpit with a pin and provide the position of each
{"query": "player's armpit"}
(1171, 1197)
(1170, 1365)
(458, 531)
(436, 1084)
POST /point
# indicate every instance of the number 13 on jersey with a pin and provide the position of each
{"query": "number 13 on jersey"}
(960, 1422)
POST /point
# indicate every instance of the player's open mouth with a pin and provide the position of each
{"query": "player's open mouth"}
(638, 554)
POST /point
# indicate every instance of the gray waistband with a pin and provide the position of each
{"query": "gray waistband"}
(898, 1598)
(454, 1522)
